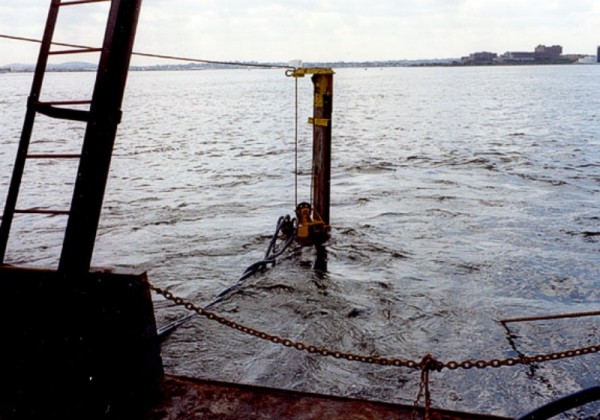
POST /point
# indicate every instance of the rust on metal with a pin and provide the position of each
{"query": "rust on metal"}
(187, 398)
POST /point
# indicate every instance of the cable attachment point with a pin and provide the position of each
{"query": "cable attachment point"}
(311, 229)
(427, 364)
(302, 71)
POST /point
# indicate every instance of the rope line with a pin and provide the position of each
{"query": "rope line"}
(161, 56)
(296, 143)
(549, 317)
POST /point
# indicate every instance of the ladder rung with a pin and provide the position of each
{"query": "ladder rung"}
(52, 103)
(53, 156)
(77, 51)
(48, 109)
(73, 2)
(41, 211)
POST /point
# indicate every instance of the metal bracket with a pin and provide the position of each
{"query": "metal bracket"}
(321, 122)
(302, 71)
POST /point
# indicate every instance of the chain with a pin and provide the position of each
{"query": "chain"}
(428, 363)
(285, 341)
(523, 360)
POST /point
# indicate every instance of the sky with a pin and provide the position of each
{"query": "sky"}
(318, 30)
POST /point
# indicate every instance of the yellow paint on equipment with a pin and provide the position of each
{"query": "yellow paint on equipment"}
(311, 229)
(302, 71)
(321, 122)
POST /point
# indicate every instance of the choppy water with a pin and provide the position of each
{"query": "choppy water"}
(460, 196)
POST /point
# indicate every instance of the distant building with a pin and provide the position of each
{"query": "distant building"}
(540, 54)
(598, 55)
(584, 59)
(543, 53)
(483, 57)
(518, 56)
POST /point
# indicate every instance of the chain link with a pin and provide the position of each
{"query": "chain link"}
(428, 363)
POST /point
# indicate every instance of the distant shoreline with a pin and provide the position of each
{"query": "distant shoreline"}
(85, 67)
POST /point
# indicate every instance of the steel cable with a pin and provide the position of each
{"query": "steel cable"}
(160, 56)
(285, 226)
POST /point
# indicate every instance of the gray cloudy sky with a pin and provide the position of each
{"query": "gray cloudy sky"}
(327, 30)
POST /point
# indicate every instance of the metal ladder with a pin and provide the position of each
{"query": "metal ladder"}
(102, 118)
